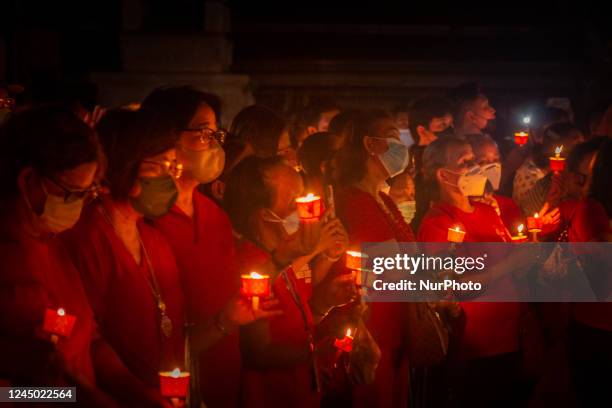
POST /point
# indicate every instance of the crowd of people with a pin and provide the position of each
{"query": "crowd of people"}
(140, 221)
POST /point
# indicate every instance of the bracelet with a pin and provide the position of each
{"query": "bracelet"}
(318, 312)
(219, 325)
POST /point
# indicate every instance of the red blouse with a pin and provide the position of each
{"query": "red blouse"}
(510, 213)
(366, 221)
(288, 386)
(119, 293)
(491, 328)
(206, 256)
(37, 275)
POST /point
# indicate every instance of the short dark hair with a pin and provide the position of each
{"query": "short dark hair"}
(463, 98)
(314, 151)
(246, 191)
(600, 183)
(49, 139)
(343, 121)
(311, 115)
(180, 103)
(424, 110)
(129, 137)
(353, 156)
(260, 126)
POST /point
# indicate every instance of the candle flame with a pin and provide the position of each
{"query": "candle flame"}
(457, 229)
(356, 254)
(558, 150)
(309, 196)
(348, 332)
(255, 275)
(61, 312)
(536, 215)
(520, 228)
(176, 373)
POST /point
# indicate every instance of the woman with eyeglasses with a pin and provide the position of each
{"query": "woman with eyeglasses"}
(127, 267)
(48, 165)
(200, 235)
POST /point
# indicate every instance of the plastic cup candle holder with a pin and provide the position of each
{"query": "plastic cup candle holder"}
(174, 384)
(455, 235)
(520, 138)
(534, 224)
(310, 207)
(520, 237)
(255, 286)
(58, 323)
(557, 163)
(345, 344)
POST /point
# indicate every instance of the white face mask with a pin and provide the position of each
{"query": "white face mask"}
(57, 215)
(408, 209)
(204, 166)
(291, 224)
(395, 158)
(493, 173)
(470, 183)
(406, 137)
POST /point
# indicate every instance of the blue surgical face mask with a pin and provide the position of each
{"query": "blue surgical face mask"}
(406, 137)
(291, 223)
(395, 158)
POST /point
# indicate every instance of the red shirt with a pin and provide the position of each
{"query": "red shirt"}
(120, 295)
(491, 328)
(289, 386)
(588, 222)
(206, 256)
(366, 221)
(510, 213)
(36, 275)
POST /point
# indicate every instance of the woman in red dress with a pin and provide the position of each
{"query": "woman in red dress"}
(486, 365)
(372, 154)
(279, 367)
(49, 163)
(200, 235)
(128, 269)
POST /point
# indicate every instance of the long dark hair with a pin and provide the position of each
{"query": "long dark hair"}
(353, 156)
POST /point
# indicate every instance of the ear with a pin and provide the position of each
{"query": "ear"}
(24, 178)
(217, 188)
(442, 176)
(135, 190)
(368, 143)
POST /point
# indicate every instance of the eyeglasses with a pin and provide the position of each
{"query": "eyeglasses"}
(74, 195)
(200, 138)
(160, 168)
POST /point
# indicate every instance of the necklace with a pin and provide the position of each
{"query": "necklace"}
(165, 324)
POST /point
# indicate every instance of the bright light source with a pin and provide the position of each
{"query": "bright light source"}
(527, 120)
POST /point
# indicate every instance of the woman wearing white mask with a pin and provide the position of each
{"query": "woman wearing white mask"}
(200, 235)
(486, 155)
(484, 369)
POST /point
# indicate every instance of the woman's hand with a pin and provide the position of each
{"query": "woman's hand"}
(551, 218)
(334, 239)
(333, 292)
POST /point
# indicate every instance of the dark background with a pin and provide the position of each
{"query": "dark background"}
(375, 52)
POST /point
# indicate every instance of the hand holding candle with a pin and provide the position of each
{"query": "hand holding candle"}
(534, 224)
(520, 138)
(58, 323)
(174, 383)
(254, 286)
(557, 163)
(310, 207)
(345, 344)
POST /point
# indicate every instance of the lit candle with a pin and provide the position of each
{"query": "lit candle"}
(255, 285)
(520, 237)
(345, 344)
(58, 323)
(309, 207)
(534, 224)
(455, 235)
(520, 138)
(174, 383)
(357, 262)
(557, 163)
